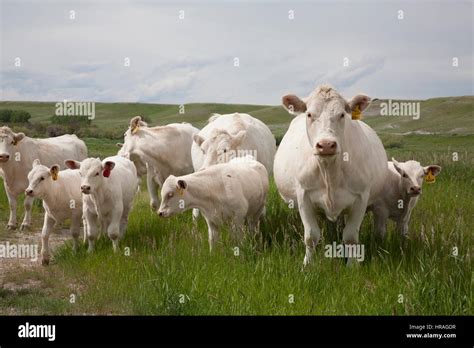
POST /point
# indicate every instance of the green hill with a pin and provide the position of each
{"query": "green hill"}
(449, 115)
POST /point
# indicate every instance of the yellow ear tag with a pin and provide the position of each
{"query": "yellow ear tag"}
(54, 176)
(430, 178)
(356, 113)
(180, 191)
(135, 130)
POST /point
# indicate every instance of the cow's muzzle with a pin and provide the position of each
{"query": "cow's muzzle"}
(4, 157)
(326, 147)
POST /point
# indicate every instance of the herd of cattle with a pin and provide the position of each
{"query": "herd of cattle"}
(327, 163)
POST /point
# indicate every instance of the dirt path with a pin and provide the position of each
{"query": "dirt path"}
(11, 265)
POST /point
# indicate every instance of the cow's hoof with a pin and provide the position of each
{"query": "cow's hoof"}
(25, 227)
(45, 261)
(11, 227)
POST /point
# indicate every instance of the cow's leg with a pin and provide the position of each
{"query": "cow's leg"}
(350, 234)
(113, 229)
(92, 222)
(12, 202)
(312, 232)
(124, 221)
(75, 230)
(152, 187)
(26, 224)
(48, 225)
(213, 233)
(380, 223)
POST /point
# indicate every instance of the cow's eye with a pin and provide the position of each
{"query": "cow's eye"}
(42, 178)
(97, 174)
(309, 114)
(404, 175)
(342, 115)
(170, 194)
(225, 150)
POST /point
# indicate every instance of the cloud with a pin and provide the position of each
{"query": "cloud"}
(191, 60)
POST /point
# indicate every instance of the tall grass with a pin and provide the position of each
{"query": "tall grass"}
(170, 270)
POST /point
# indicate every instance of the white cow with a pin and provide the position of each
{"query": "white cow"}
(109, 188)
(159, 152)
(233, 135)
(328, 162)
(17, 153)
(401, 193)
(62, 199)
(232, 192)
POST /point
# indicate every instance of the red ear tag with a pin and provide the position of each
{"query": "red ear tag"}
(106, 173)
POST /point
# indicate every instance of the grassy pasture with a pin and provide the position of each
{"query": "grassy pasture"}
(170, 270)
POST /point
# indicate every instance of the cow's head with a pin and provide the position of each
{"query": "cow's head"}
(326, 113)
(220, 147)
(412, 174)
(40, 179)
(173, 196)
(8, 142)
(130, 147)
(93, 173)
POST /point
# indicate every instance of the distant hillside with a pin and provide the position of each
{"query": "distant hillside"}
(450, 115)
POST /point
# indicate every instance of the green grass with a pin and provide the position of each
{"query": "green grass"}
(168, 259)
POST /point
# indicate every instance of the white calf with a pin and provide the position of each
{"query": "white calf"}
(401, 192)
(232, 192)
(109, 188)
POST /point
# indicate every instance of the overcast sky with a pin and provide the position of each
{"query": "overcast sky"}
(175, 60)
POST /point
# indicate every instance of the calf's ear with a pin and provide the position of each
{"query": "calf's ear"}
(181, 184)
(198, 139)
(71, 164)
(360, 101)
(433, 168)
(17, 138)
(397, 166)
(293, 104)
(54, 171)
(108, 167)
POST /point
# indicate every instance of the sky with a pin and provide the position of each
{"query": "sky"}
(281, 47)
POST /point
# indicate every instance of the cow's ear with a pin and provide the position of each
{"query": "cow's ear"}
(71, 164)
(433, 168)
(17, 137)
(360, 101)
(397, 167)
(239, 137)
(198, 139)
(293, 104)
(108, 167)
(119, 145)
(36, 162)
(54, 171)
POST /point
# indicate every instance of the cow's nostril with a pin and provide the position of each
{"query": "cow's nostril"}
(319, 146)
(333, 145)
(160, 213)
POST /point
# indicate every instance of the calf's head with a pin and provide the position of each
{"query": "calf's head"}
(412, 174)
(93, 173)
(40, 179)
(173, 196)
(326, 113)
(220, 147)
(8, 142)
